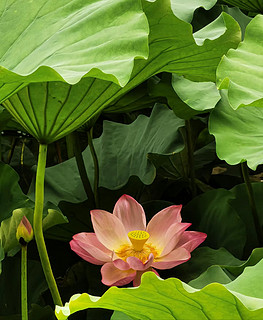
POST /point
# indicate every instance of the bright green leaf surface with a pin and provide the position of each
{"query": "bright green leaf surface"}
(251, 5)
(119, 147)
(240, 71)
(249, 282)
(55, 40)
(166, 299)
(238, 133)
(169, 51)
(184, 9)
(197, 95)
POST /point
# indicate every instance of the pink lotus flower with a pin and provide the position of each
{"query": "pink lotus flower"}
(127, 248)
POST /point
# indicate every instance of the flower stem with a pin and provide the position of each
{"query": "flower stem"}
(82, 170)
(190, 154)
(37, 226)
(96, 167)
(24, 282)
(252, 203)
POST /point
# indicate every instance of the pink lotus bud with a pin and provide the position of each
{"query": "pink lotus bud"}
(24, 233)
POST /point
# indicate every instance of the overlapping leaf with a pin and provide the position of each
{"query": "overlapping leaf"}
(172, 49)
(238, 133)
(158, 133)
(197, 95)
(57, 41)
(170, 299)
(240, 71)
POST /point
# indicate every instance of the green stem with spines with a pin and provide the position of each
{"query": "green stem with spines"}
(24, 282)
(38, 227)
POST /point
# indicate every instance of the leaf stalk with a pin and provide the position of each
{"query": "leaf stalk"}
(38, 226)
(24, 282)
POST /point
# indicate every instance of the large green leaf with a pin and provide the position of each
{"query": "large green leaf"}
(240, 71)
(119, 158)
(11, 195)
(238, 133)
(169, 51)
(251, 5)
(169, 299)
(57, 41)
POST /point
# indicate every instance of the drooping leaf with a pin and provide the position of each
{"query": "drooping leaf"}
(168, 299)
(168, 51)
(240, 70)
(197, 95)
(55, 41)
(238, 133)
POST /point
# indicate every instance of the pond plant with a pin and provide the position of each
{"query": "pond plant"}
(108, 104)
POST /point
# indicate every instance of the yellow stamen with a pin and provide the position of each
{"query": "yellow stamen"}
(138, 239)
